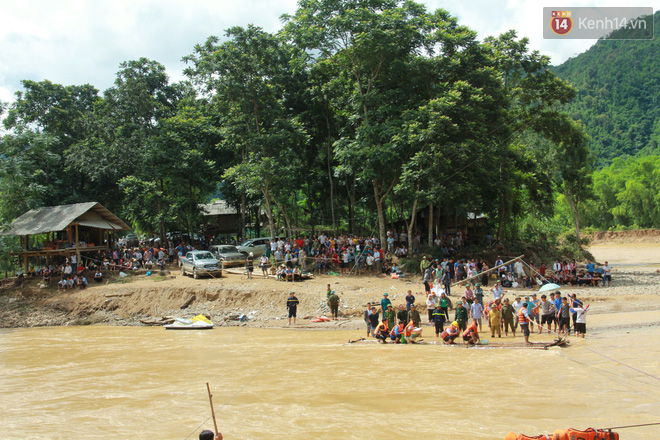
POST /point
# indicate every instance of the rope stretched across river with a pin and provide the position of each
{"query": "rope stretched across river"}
(243, 387)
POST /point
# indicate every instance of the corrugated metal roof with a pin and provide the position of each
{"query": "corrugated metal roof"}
(219, 207)
(57, 218)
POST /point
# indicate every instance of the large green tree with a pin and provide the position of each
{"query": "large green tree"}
(48, 119)
(246, 77)
(381, 48)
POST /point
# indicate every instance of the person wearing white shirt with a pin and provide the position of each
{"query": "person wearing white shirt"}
(477, 311)
(498, 292)
(556, 267)
(502, 269)
(431, 302)
(581, 320)
(520, 271)
(370, 261)
(517, 305)
(344, 261)
(607, 278)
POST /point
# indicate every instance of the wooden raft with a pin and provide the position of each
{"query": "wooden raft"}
(512, 345)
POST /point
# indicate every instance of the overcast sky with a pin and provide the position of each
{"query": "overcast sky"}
(83, 41)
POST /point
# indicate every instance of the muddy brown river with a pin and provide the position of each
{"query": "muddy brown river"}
(101, 382)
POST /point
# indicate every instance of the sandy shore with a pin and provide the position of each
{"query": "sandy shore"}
(635, 287)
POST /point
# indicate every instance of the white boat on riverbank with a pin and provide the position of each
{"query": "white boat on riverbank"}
(199, 322)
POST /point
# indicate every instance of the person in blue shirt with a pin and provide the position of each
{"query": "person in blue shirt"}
(397, 332)
(557, 307)
(590, 267)
(410, 300)
(532, 308)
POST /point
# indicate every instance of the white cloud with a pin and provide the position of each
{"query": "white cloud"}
(494, 18)
(84, 41)
(78, 41)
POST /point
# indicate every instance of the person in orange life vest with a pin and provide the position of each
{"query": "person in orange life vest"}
(471, 335)
(523, 319)
(412, 332)
(397, 332)
(450, 333)
(381, 331)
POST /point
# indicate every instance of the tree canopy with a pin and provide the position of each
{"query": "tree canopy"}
(358, 115)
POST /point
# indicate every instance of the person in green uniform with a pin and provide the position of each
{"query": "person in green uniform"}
(461, 316)
(390, 314)
(414, 316)
(384, 303)
(424, 264)
(508, 314)
(333, 302)
(402, 314)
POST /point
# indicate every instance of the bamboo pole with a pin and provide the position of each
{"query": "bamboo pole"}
(215, 423)
(25, 257)
(75, 269)
(536, 271)
(487, 271)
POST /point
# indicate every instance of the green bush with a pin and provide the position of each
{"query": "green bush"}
(410, 264)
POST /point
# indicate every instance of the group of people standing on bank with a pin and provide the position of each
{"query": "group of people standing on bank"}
(403, 323)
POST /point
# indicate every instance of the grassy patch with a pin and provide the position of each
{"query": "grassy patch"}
(122, 280)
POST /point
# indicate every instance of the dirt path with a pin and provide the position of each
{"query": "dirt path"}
(633, 256)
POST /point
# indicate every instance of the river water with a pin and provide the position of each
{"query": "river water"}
(101, 382)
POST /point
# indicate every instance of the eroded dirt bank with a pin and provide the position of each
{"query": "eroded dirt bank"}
(141, 298)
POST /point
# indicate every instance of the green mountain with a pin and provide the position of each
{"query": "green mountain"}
(618, 99)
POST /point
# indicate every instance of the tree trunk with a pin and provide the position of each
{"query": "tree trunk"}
(381, 212)
(351, 207)
(287, 222)
(257, 223)
(411, 225)
(242, 210)
(574, 207)
(332, 186)
(269, 210)
(310, 206)
(501, 214)
(430, 232)
(162, 221)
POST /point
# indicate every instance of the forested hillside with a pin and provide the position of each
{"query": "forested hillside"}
(618, 98)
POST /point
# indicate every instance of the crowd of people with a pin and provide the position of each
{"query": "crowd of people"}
(349, 254)
(514, 274)
(70, 272)
(358, 255)
(552, 314)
